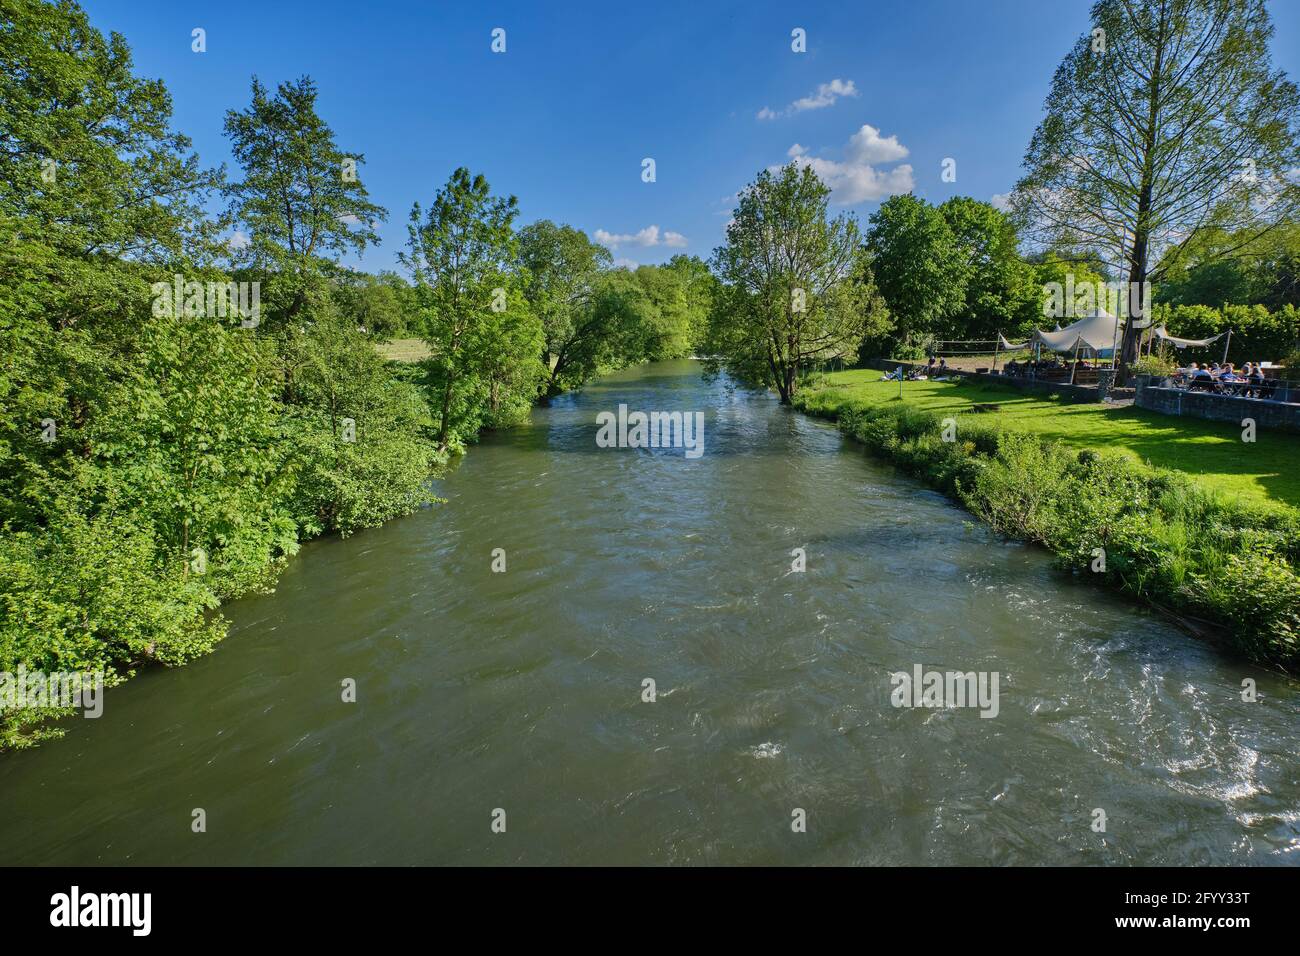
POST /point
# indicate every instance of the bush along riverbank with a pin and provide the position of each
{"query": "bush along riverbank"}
(1228, 571)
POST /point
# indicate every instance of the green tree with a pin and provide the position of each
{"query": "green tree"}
(464, 258)
(666, 332)
(700, 287)
(357, 448)
(794, 289)
(88, 161)
(1061, 269)
(1000, 290)
(382, 305)
(918, 265)
(1165, 119)
(563, 268)
(301, 198)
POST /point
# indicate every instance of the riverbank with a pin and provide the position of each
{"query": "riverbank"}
(1227, 567)
(1212, 453)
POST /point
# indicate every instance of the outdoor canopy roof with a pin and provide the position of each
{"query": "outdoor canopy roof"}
(1163, 334)
(1096, 330)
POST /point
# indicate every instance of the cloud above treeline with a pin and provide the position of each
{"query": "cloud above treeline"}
(645, 238)
(856, 175)
(825, 95)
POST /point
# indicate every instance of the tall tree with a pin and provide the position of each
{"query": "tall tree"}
(1000, 289)
(794, 288)
(917, 264)
(88, 161)
(563, 268)
(700, 286)
(1165, 119)
(667, 330)
(301, 199)
(463, 255)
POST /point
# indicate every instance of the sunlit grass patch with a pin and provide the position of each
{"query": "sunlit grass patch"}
(1267, 470)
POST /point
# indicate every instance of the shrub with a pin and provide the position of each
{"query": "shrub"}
(1156, 365)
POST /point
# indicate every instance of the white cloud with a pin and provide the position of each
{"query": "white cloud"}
(825, 95)
(868, 146)
(1001, 201)
(649, 236)
(238, 241)
(621, 263)
(855, 178)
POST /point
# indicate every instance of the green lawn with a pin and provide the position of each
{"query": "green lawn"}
(404, 350)
(1267, 470)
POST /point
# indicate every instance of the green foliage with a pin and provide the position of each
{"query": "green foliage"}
(485, 336)
(563, 269)
(154, 464)
(949, 272)
(301, 199)
(1001, 291)
(1246, 268)
(797, 287)
(1154, 364)
(918, 265)
(357, 437)
(90, 163)
(1257, 334)
(699, 288)
(383, 305)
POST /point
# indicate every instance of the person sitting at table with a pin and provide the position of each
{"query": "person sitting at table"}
(1202, 378)
(1255, 377)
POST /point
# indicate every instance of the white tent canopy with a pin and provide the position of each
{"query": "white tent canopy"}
(1163, 334)
(1097, 330)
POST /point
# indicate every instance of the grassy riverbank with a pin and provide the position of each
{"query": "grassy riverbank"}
(1213, 453)
(1069, 477)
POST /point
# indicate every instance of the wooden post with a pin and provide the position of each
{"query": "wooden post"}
(1074, 366)
(1225, 348)
(996, 343)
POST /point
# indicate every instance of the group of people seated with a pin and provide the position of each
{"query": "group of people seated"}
(1214, 377)
(1043, 368)
(939, 371)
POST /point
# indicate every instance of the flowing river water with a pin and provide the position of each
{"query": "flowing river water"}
(522, 691)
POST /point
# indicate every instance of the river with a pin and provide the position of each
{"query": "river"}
(522, 691)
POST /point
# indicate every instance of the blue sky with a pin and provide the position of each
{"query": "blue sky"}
(586, 91)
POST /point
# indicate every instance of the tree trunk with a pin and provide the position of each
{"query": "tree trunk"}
(785, 385)
(446, 415)
(1137, 274)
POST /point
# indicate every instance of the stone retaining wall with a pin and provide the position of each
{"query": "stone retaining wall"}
(1284, 416)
